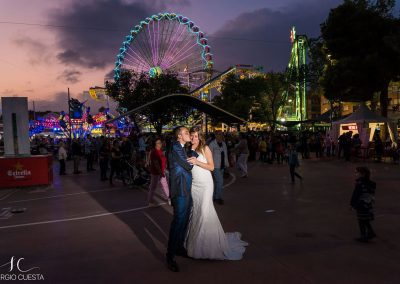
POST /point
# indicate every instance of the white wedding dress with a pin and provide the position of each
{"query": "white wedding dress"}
(205, 237)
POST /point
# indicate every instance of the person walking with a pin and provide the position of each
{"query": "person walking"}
(62, 157)
(116, 159)
(243, 154)
(90, 149)
(341, 143)
(104, 155)
(219, 152)
(293, 163)
(328, 145)
(157, 163)
(76, 150)
(362, 200)
(262, 147)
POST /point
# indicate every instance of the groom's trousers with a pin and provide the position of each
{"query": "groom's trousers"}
(182, 209)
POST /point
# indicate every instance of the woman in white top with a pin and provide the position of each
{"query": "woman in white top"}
(206, 238)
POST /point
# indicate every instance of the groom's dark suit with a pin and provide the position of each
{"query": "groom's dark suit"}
(180, 181)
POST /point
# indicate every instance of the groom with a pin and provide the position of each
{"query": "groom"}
(181, 197)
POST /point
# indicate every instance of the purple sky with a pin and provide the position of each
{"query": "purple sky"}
(76, 42)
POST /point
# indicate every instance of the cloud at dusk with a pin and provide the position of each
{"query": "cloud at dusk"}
(93, 33)
(37, 51)
(100, 28)
(261, 37)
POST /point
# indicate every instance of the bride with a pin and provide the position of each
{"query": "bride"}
(205, 237)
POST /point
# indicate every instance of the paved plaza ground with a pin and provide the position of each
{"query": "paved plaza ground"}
(83, 231)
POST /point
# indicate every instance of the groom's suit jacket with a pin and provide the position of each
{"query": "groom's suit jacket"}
(180, 177)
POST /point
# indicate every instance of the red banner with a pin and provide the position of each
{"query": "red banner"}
(28, 171)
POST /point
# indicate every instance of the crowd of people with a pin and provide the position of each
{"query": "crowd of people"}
(129, 158)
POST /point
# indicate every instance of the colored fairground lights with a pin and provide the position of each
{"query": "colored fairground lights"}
(166, 42)
(155, 71)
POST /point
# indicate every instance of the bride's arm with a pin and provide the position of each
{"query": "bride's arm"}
(210, 162)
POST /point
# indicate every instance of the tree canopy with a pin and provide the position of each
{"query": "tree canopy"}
(133, 90)
(361, 43)
(257, 99)
(238, 95)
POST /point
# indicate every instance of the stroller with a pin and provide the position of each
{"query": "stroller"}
(134, 175)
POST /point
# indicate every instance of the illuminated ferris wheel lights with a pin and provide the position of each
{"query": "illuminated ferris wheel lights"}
(162, 42)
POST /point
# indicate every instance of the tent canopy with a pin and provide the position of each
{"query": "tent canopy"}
(363, 113)
(361, 117)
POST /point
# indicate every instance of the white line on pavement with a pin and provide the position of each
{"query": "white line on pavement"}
(90, 216)
(74, 219)
(63, 195)
(155, 224)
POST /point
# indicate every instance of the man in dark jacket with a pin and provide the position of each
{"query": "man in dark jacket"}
(362, 201)
(180, 184)
(76, 152)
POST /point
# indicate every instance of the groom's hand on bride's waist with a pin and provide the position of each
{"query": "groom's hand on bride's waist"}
(192, 161)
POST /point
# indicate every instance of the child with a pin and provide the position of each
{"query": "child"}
(362, 201)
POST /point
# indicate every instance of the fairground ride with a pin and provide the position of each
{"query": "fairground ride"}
(166, 42)
(295, 108)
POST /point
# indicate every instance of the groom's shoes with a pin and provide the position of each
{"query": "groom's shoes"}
(172, 265)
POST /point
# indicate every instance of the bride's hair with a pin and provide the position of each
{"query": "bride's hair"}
(202, 141)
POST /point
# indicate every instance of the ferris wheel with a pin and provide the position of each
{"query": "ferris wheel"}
(166, 42)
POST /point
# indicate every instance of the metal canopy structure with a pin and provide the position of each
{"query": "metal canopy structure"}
(194, 102)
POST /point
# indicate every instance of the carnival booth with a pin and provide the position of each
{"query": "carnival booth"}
(364, 122)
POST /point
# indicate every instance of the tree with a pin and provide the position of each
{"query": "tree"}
(271, 98)
(258, 99)
(238, 95)
(361, 39)
(134, 90)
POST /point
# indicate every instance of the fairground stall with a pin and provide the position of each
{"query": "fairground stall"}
(366, 123)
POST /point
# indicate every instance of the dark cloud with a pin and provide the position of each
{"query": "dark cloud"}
(97, 29)
(71, 57)
(261, 37)
(70, 76)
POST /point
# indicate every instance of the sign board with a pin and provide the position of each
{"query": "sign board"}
(16, 126)
(26, 171)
